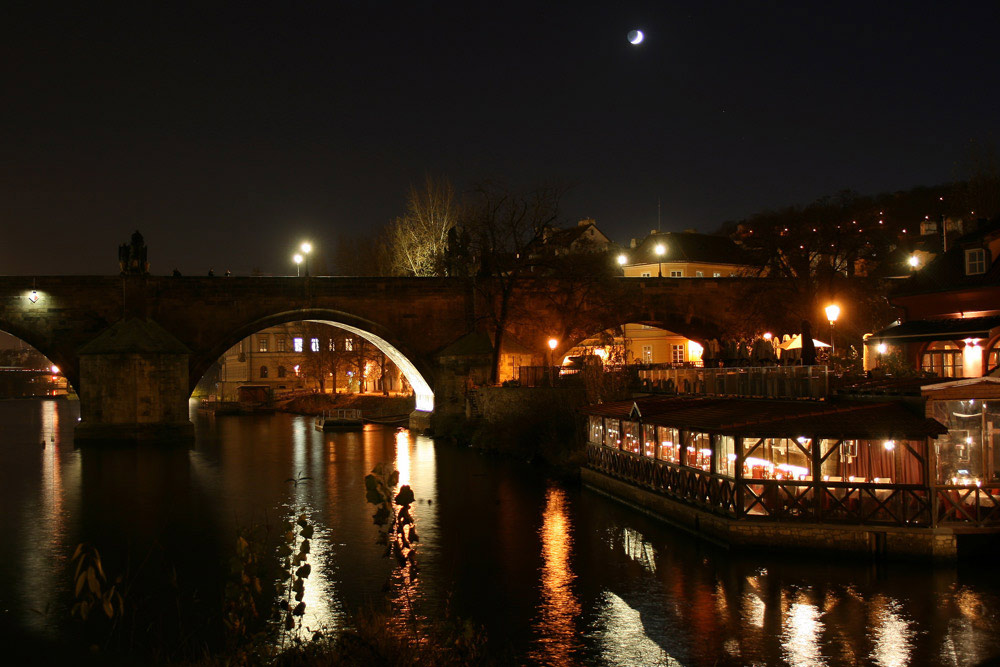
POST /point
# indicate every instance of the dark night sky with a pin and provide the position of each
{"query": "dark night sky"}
(227, 135)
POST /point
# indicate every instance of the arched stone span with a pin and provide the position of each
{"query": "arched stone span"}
(421, 388)
(415, 369)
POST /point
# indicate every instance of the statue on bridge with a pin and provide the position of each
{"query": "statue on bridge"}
(132, 257)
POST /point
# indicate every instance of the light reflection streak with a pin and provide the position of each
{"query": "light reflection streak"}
(46, 523)
(403, 455)
(555, 625)
(753, 606)
(800, 634)
(323, 611)
(638, 549)
(623, 640)
(890, 633)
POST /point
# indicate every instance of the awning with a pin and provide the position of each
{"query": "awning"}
(918, 331)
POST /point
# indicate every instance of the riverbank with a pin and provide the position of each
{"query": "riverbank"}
(537, 424)
(371, 405)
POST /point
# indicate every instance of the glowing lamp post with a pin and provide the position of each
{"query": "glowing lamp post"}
(914, 261)
(297, 258)
(553, 344)
(832, 313)
(622, 261)
(660, 250)
(306, 248)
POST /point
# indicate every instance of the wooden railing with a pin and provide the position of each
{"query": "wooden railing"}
(865, 503)
(975, 505)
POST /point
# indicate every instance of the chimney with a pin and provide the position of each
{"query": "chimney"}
(585, 222)
(633, 243)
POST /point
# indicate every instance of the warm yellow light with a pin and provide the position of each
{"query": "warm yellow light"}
(890, 445)
(768, 336)
(832, 312)
(297, 258)
(882, 348)
(914, 261)
(660, 249)
(622, 260)
(306, 247)
(553, 343)
(55, 369)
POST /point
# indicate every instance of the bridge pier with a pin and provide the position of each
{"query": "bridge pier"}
(134, 386)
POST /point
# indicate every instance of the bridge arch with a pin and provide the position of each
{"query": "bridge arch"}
(692, 327)
(411, 366)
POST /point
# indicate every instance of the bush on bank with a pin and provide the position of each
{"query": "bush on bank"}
(535, 423)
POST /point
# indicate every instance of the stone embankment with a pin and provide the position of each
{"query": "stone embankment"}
(371, 405)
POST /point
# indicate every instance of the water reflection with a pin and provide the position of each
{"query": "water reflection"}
(623, 639)
(891, 633)
(555, 575)
(801, 630)
(45, 522)
(557, 637)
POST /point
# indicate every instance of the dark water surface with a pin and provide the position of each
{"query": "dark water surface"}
(555, 574)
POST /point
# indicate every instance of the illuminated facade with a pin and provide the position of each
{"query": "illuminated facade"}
(293, 357)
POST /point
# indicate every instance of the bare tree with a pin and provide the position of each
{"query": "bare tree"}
(418, 241)
(503, 225)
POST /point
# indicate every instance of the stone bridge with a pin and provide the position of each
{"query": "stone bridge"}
(134, 346)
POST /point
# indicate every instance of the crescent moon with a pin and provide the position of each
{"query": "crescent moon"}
(636, 36)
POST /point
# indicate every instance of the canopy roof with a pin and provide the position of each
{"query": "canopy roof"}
(956, 328)
(769, 418)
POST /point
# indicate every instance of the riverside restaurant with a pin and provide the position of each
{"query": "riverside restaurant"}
(855, 476)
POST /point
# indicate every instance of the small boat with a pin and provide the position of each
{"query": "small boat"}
(347, 419)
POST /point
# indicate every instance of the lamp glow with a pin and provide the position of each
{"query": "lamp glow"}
(33, 297)
(882, 348)
(306, 247)
(553, 343)
(622, 260)
(914, 261)
(832, 313)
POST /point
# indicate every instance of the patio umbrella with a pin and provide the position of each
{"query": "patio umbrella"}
(795, 343)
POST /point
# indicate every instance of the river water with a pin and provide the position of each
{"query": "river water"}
(553, 573)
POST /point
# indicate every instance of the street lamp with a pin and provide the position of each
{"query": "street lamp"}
(297, 258)
(306, 248)
(553, 344)
(660, 251)
(832, 313)
(622, 261)
(914, 261)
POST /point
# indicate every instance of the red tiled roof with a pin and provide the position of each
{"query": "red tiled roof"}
(761, 417)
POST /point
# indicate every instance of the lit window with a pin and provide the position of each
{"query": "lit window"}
(262, 343)
(716, 274)
(647, 354)
(676, 274)
(348, 344)
(677, 354)
(975, 261)
(699, 274)
(314, 344)
(331, 347)
(297, 344)
(281, 343)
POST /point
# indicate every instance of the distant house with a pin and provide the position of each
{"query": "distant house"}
(685, 255)
(585, 237)
(950, 311)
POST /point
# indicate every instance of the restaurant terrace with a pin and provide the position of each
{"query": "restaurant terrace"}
(866, 464)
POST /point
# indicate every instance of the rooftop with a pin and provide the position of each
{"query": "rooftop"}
(863, 420)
